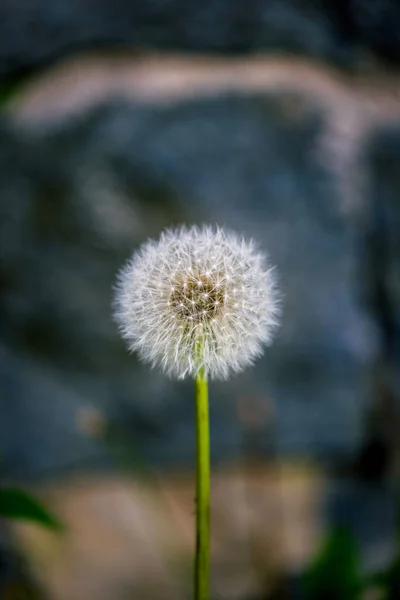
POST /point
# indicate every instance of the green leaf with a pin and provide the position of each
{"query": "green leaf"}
(16, 504)
(387, 580)
(335, 573)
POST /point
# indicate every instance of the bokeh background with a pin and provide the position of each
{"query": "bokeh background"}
(278, 119)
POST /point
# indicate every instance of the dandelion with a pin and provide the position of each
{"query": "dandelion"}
(199, 302)
(197, 287)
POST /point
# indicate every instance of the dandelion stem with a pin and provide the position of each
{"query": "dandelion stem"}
(202, 563)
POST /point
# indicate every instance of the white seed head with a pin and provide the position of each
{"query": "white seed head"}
(197, 298)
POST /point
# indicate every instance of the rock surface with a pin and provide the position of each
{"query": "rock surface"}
(80, 196)
(36, 32)
(135, 538)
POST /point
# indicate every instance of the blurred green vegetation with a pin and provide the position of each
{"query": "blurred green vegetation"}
(336, 573)
(17, 504)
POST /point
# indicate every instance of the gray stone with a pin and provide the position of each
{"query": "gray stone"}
(36, 32)
(82, 196)
(382, 276)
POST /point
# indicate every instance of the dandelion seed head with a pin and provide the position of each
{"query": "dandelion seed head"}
(192, 288)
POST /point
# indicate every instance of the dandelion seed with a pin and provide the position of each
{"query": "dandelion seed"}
(168, 286)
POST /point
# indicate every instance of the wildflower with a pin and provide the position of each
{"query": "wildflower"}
(197, 299)
(199, 302)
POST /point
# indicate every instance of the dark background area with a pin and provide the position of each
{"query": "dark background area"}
(280, 120)
(346, 33)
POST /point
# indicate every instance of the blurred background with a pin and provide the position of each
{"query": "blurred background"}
(280, 120)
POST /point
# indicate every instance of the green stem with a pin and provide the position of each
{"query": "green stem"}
(202, 564)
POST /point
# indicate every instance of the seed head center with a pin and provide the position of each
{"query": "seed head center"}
(196, 297)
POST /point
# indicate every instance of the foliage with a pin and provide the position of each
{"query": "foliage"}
(335, 573)
(17, 504)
